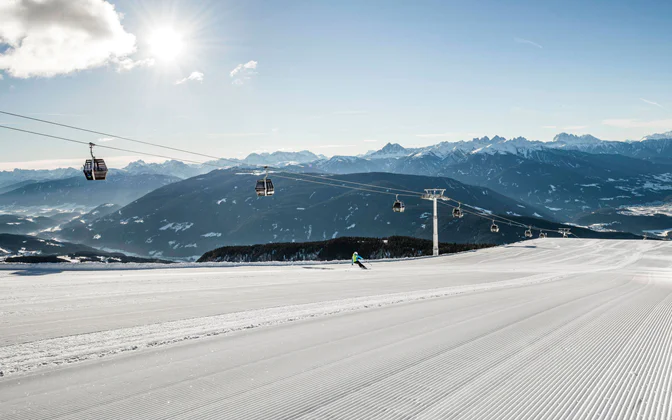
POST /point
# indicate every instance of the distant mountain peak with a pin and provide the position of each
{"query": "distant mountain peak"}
(392, 147)
(658, 136)
(573, 139)
(390, 150)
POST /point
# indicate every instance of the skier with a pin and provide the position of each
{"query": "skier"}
(356, 259)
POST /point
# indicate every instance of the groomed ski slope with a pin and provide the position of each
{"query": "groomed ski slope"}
(545, 329)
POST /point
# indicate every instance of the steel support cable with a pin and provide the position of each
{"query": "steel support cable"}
(72, 127)
(478, 209)
(275, 175)
(349, 182)
(494, 217)
(325, 180)
(296, 177)
(101, 145)
(517, 224)
(487, 216)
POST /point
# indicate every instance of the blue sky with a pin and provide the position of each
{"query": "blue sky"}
(335, 77)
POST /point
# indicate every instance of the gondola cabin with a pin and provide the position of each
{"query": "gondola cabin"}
(95, 169)
(398, 207)
(457, 213)
(264, 187)
(494, 228)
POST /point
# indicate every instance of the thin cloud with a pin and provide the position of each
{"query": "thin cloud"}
(528, 42)
(105, 139)
(243, 72)
(635, 123)
(252, 134)
(128, 64)
(653, 103)
(435, 135)
(56, 114)
(195, 76)
(369, 140)
(550, 126)
(350, 112)
(334, 146)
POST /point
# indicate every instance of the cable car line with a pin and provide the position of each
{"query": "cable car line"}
(72, 127)
(160, 145)
(102, 146)
(494, 217)
(266, 182)
(488, 216)
(341, 186)
(294, 175)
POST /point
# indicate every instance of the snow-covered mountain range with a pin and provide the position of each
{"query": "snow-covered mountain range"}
(569, 178)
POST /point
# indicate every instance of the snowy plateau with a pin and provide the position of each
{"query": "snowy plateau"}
(546, 329)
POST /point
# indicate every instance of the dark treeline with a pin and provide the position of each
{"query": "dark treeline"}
(83, 257)
(335, 249)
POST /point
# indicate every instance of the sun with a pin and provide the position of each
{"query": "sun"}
(166, 44)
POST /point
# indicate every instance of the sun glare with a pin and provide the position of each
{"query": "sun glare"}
(166, 44)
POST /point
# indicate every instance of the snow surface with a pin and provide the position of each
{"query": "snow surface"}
(548, 328)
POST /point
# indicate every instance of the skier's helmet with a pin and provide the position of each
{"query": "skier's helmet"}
(356, 253)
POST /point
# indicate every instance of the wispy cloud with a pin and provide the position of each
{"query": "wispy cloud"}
(128, 64)
(350, 112)
(528, 42)
(635, 123)
(243, 72)
(195, 76)
(574, 127)
(105, 139)
(334, 146)
(436, 135)
(56, 114)
(550, 126)
(653, 103)
(251, 134)
(369, 140)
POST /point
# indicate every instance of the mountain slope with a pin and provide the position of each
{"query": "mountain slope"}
(31, 249)
(15, 176)
(190, 217)
(20, 225)
(78, 192)
(567, 183)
